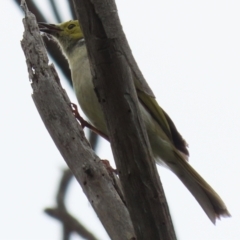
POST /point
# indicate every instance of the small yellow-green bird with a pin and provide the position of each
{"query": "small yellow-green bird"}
(168, 146)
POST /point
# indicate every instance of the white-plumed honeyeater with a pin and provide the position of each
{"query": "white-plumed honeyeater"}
(168, 146)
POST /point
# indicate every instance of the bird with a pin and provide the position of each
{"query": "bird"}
(168, 146)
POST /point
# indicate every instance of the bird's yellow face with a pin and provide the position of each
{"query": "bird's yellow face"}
(71, 29)
(68, 34)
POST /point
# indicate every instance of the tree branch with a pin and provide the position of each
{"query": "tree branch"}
(70, 223)
(60, 212)
(113, 68)
(54, 108)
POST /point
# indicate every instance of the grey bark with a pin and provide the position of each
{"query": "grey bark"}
(54, 108)
(113, 69)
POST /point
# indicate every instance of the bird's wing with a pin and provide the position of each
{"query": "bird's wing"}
(164, 121)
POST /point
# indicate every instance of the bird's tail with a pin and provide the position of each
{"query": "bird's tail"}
(208, 199)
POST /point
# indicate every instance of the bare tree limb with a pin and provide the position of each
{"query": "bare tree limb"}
(93, 138)
(54, 108)
(113, 69)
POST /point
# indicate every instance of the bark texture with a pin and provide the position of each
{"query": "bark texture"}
(54, 108)
(114, 69)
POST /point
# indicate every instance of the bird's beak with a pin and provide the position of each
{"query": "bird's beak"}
(49, 28)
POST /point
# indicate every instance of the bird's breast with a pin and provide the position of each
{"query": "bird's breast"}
(84, 89)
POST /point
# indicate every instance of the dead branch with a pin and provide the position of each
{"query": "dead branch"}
(54, 108)
(114, 68)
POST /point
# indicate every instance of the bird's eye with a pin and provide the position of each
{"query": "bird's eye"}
(70, 26)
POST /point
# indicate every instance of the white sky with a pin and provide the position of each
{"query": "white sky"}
(189, 52)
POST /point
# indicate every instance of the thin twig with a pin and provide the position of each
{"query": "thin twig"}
(55, 10)
(71, 224)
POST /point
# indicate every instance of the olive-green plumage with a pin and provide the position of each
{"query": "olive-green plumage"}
(168, 146)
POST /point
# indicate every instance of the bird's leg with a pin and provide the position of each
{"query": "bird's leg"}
(84, 123)
(109, 167)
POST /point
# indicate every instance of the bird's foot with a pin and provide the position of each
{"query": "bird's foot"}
(108, 167)
(84, 123)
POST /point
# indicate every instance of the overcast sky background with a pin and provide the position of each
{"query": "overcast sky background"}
(189, 52)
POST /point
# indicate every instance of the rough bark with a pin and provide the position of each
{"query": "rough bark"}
(54, 108)
(113, 69)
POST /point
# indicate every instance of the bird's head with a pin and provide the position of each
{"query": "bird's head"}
(68, 34)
